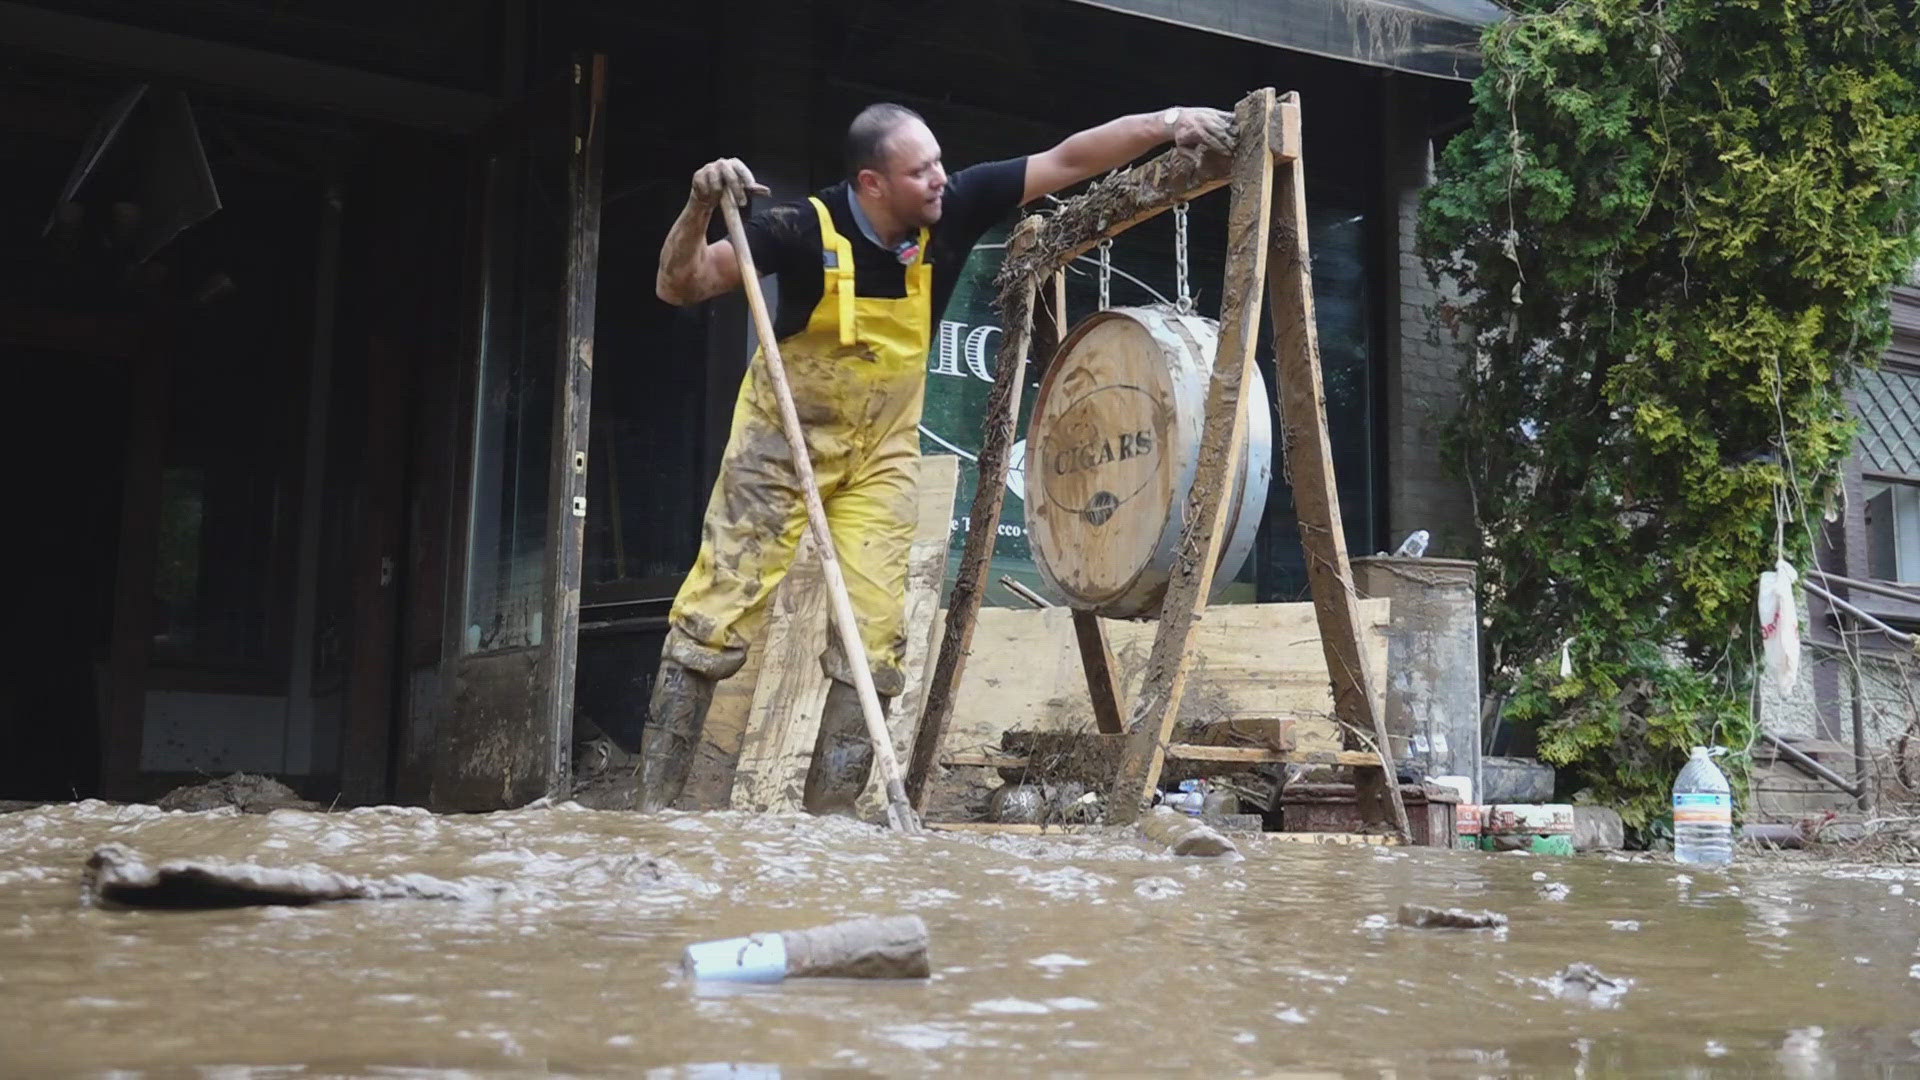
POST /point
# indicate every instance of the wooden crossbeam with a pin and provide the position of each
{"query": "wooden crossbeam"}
(1253, 755)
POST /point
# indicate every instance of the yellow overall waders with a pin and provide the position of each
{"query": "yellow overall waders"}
(858, 374)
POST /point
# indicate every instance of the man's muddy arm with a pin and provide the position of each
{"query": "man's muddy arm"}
(1102, 149)
(691, 269)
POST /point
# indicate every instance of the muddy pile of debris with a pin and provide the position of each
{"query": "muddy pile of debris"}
(247, 792)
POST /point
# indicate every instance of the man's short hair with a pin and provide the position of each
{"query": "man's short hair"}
(868, 134)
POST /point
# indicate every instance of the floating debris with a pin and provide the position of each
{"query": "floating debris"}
(1584, 983)
(893, 948)
(115, 875)
(1421, 917)
(1184, 835)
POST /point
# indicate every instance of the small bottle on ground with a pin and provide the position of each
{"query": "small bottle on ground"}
(1702, 813)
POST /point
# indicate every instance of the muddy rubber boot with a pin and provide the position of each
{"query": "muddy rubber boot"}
(675, 715)
(842, 753)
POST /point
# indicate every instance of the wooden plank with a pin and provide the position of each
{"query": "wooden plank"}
(1303, 409)
(992, 828)
(1197, 752)
(784, 717)
(969, 587)
(1338, 839)
(1254, 755)
(939, 481)
(572, 411)
(783, 713)
(1245, 755)
(1252, 661)
(1103, 688)
(1350, 758)
(1248, 219)
(985, 759)
(1116, 203)
(1264, 732)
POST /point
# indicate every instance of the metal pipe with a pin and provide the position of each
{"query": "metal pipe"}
(1900, 636)
(1773, 834)
(1880, 588)
(1859, 737)
(1799, 757)
(1023, 592)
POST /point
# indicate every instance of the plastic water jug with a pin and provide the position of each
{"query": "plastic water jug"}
(1702, 812)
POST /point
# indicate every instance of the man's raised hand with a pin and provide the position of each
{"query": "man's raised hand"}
(725, 176)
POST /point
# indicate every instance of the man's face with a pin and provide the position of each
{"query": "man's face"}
(914, 181)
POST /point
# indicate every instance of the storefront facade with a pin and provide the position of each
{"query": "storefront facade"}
(493, 443)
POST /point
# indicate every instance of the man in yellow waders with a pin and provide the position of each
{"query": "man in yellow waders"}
(865, 269)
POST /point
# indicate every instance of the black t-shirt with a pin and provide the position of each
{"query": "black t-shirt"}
(786, 241)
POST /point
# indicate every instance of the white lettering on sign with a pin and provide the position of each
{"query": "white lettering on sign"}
(946, 351)
(958, 341)
(977, 352)
(1006, 528)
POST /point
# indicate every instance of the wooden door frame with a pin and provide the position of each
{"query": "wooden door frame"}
(476, 769)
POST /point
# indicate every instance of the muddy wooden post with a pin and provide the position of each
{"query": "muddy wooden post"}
(1309, 458)
(572, 409)
(990, 489)
(1191, 580)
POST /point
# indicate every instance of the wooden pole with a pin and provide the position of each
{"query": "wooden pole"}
(573, 409)
(1303, 409)
(969, 586)
(900, 813)
(1191, 580)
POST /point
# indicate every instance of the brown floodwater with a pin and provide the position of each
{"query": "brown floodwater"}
(1075, 955)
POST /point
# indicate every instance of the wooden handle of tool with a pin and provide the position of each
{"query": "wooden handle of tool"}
(899, 811)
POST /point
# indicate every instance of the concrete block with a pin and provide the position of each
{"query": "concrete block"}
(1597, 828)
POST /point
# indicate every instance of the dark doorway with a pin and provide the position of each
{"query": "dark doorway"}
(216, 310)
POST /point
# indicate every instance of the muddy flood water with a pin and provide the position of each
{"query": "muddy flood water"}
(1074, 955)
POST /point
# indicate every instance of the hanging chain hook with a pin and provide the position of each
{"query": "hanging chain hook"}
(1106, 273)
(1183, 297)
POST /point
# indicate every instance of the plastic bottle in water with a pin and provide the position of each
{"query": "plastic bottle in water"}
(1702, 813)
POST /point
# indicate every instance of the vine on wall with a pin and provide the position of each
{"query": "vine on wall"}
(1673, 225)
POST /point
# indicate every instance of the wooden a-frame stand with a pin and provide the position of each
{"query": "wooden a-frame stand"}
(1265, 176)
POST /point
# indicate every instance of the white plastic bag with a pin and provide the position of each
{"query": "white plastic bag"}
(1780, 625)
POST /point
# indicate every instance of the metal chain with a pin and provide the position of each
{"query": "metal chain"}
(1183, 299)
(1106, 273)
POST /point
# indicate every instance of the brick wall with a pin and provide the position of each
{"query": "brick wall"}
(1423, 359)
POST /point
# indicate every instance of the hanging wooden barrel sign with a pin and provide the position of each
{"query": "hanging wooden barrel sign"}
(1112, 451)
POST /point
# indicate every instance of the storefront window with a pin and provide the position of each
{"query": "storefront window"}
(509, 535)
